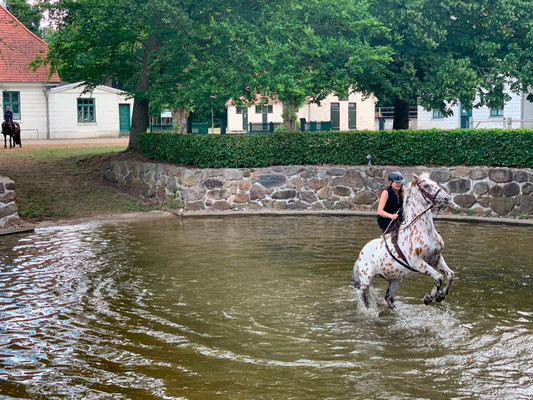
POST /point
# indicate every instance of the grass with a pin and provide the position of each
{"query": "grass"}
(64, 183)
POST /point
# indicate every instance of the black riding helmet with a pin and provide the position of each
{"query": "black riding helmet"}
(396, 176)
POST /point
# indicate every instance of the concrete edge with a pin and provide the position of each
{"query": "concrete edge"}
(20, 229)
(337, 213)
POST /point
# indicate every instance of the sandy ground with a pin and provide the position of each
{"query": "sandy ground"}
(31, 144)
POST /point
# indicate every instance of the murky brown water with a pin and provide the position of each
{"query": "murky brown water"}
(257, 308)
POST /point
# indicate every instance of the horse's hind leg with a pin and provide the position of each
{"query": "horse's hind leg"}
(449, 274)
(394, 284)
(362, 279)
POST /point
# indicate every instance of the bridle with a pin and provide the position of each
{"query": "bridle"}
(429, 198)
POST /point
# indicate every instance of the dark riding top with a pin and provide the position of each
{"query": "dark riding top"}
(392, 206)
(8, 115)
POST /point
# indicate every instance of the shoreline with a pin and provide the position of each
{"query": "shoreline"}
(154, 215)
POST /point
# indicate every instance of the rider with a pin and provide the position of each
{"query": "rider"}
(8, 116)
(391, 201)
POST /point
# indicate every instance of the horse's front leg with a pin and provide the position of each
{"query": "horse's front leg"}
(424, 268)
(449, 274)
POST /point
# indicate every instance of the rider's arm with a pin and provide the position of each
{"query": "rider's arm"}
(381, 205)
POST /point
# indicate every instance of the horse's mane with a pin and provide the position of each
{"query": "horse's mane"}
(408, 189)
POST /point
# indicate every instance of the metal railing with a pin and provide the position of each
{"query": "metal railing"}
(196, 127)
(262, 127)
(388, 112)
(317, 126)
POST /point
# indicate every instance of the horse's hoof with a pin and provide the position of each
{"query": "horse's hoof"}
(440, 297)
(427, 299)
(390, 302)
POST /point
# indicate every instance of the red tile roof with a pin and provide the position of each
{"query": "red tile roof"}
(19, 46)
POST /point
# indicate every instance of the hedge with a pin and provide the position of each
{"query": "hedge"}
(493, 147)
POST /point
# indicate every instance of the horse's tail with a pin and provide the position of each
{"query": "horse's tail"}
(355, 275)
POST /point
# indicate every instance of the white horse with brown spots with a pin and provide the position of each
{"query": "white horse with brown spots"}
(419, 242)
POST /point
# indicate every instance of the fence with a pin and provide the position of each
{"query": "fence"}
(317, 126)
(388, 112)
(161, 128)
(196, 127)
(263, 127)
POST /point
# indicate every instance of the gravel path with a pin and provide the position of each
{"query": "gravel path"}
(31, 144)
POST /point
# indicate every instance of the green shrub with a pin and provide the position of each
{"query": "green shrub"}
(494, 147)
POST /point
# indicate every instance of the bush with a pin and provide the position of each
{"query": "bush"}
(494, 147)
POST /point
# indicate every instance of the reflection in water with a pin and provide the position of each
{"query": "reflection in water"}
(257, 307)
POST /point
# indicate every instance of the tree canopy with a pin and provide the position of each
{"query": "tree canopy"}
(445, 52)
(191, 55)
(29, 15)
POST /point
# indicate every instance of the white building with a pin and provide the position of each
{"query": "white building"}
(355, 112)
(104, 112)
(44, 107)
(516, 113)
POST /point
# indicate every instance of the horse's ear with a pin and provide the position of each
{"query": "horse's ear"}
(415, 178)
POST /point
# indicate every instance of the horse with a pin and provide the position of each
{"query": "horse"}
(418, 248)
(11, 129)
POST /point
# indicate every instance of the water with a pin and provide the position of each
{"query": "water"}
(257, 308)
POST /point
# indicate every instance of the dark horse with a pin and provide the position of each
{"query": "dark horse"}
(11, 129)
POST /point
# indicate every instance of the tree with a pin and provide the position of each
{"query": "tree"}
(164, 52)
(29, 15)
(308, 50)
(443, 53)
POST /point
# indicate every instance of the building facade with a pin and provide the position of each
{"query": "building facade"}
(516, 113)
(353, 113)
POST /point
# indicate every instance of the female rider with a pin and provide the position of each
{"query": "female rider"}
(391, 201)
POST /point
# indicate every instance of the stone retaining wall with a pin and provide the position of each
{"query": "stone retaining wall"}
(9, 216)
(475, 190)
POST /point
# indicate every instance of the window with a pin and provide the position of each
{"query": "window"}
(86, 110)
(437, 113)
(352, 116)
(259, 109)
(496, 112)
(12, 99)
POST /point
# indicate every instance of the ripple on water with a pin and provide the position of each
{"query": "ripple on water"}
(255, 308)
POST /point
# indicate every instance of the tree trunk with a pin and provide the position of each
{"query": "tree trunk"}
(179, 118)
(139, 118)
(289, 117)
(401, 115)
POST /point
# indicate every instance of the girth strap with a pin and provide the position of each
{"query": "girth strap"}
(403, 263)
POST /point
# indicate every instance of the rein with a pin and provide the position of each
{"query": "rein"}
(403, 262)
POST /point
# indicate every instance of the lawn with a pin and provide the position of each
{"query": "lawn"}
(64, 183)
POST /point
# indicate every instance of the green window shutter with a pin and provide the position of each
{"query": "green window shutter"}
(496, 112)
(12, 99)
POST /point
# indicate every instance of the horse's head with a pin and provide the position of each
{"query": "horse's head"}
(432, 192)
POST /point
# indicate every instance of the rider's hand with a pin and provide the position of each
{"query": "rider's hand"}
(394, 216)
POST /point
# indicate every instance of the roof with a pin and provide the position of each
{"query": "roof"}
(19, 46)
(82, 85)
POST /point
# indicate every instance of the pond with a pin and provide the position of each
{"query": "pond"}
(257, 307)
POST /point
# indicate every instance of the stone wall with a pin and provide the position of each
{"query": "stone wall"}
(475, 190)
(9, 216)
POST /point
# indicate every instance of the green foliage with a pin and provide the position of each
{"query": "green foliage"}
(29, 15)
(495, 147)
(451, 51)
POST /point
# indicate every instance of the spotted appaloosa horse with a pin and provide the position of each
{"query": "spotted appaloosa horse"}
(418, 240)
